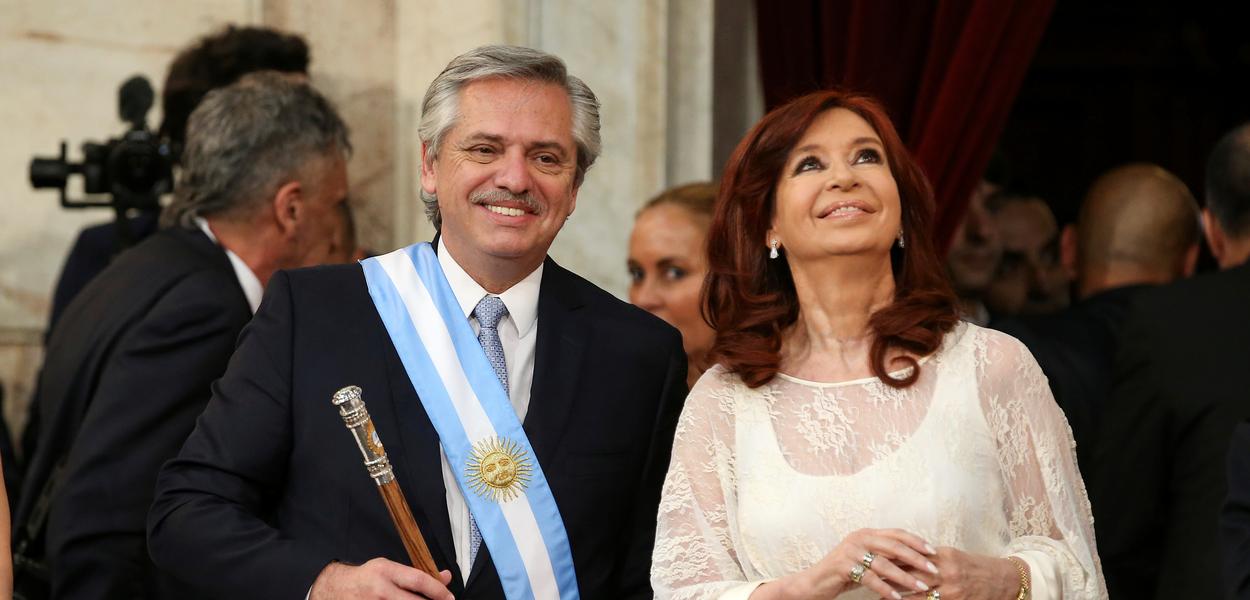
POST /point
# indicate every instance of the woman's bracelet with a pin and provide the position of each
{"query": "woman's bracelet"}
(1023, 570)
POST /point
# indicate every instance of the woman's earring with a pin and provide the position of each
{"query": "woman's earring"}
(900, 239)
(772, 250)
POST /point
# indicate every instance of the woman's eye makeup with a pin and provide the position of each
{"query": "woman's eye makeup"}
(635, 274)
(867, 155)
(808, 163)
(674, 273)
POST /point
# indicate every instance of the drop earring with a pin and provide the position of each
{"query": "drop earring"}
(900, 239)
(772, 250)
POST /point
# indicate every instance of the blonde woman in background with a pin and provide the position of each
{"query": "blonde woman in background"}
(668, 263)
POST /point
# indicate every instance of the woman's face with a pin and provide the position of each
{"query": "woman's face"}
(667, 266)
(836, 194)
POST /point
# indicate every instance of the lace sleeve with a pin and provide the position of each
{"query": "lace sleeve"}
(695, 556)
(1049, 512)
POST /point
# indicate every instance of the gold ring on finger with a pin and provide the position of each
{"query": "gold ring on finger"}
(857, 572)
(933, 595)
(867, 560)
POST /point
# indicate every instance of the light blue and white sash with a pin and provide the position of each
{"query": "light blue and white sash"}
(476, 423)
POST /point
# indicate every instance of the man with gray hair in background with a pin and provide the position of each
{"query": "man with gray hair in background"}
(130, 366)
(528, 415)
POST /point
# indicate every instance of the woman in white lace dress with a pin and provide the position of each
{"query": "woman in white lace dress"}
(856, 440)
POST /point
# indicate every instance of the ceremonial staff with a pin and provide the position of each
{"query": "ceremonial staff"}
(352, 408)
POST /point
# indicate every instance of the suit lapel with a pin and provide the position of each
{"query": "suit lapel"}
(558, 355)
(562, 340)
(416, 457)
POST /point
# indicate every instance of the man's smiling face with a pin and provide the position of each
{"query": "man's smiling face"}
(505, 172)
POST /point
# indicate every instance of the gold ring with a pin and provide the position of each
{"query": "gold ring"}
(933, 595)
(857, 573)
(867, 560)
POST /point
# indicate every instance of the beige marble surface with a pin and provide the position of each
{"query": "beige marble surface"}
(353, 47)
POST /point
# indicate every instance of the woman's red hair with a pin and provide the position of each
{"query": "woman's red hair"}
(750, 300)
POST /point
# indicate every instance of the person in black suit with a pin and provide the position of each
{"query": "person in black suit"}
(269, 498)
(1235, 518)
(1158, 476)
(129, 368)
(1137, 227)
(215, 61)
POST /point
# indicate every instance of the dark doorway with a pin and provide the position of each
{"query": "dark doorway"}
(1124, 82)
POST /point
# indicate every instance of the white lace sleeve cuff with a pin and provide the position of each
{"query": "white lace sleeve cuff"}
(742, 592)
(1044, 582)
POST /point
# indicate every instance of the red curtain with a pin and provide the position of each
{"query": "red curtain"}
(947, 71)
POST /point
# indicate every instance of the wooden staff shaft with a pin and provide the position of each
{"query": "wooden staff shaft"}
(356, 417)
(401, 514)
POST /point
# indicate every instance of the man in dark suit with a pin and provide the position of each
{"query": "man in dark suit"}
(1158, 476)
(269, 498)
(1137, 227)
(1235, 518)
(215, 61)
(129, 368)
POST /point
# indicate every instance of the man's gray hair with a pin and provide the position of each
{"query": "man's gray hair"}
(440, 108)
(248, 139)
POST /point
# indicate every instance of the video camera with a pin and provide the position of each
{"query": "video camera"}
(133, 170)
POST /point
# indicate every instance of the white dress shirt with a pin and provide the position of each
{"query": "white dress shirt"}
(518, 333)
(252, 289)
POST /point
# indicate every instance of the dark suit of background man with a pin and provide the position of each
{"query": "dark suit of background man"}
(1235, 519)
(269, 497)
(1158, 478)
(1137, 227)
(129, 368)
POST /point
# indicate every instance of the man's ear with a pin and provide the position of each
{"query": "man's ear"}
(1068, 249)
(1216, 239)
(1189, 264)
(288, 206)
(573, 204)
(428, 179)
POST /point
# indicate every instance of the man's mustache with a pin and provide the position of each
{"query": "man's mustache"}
(498, 196)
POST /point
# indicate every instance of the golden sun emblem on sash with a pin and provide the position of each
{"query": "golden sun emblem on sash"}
(498, 469)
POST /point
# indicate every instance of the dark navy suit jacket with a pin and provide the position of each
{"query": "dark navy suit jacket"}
(1158, 478)
(1235, 520)
(270, 488)
(128, 370)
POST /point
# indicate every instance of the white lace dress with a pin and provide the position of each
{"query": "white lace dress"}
(975, 455)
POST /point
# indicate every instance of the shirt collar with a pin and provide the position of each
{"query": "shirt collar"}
(252, 289)
(521, 299)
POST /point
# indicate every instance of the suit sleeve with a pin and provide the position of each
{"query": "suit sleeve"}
(635, 572)
(1159, 474)
(1235, 520)
(208, 523)
(151, 390)
(1126, 497)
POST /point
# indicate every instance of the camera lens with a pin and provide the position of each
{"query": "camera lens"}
(48, 172)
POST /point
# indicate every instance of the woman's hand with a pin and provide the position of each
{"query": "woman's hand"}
(964, 576)
(895, 552)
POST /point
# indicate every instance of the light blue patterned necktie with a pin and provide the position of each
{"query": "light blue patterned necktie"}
(488, 312)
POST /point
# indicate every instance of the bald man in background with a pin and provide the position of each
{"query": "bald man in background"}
(1138, 227)
(1158, 477)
